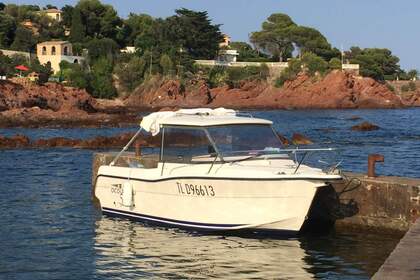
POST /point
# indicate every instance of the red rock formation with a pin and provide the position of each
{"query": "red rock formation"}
(159, 93)
(51, 96)
(243, 97)
(56, 105)
(411, 98)
(53, 105)
(337, 90)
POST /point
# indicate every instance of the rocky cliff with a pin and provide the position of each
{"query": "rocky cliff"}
(52, 104)
(56, 105)
(337, 90)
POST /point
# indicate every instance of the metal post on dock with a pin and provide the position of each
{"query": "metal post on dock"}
(372, 160)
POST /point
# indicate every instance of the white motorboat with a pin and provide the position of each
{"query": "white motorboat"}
(215, 170)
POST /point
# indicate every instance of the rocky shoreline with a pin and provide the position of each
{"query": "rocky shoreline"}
(55, 105)
(20, 141)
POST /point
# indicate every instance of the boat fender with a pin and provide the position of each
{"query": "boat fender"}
(127, 195)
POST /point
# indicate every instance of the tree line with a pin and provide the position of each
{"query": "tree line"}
(169, 46)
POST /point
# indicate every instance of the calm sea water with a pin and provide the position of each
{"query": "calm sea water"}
(50, 230)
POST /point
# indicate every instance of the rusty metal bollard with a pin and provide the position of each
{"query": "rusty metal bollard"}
(138, 148)
(372, 160)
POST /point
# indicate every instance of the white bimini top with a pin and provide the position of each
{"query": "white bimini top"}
(196, 117)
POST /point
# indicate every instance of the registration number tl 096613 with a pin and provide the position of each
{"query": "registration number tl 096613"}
(197, 190)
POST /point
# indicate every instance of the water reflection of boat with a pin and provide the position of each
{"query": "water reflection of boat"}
(135, 251)
(216, 170)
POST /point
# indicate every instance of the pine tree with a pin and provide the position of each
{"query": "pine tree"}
(77, 30)
(24, 40)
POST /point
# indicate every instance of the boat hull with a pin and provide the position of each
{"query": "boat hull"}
(211, 204)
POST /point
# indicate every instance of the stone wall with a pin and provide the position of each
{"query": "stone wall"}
(379, 204)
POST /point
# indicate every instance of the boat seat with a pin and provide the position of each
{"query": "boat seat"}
(143, 161)
(149, 161)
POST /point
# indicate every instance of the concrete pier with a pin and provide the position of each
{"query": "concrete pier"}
(403, 263)
(383, 203)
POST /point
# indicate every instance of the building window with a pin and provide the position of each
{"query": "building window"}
(53, 51)
(66, 50)
(57, 17)
(44, 51)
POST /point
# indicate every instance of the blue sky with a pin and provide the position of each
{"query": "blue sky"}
(365, 23)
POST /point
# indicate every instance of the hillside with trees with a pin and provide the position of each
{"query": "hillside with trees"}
(167, 47)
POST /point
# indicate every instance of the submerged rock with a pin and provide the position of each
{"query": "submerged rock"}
(299, 139)
(98, 142)
(283, 140)
(17, 141)
(354, 118)
(365, 126)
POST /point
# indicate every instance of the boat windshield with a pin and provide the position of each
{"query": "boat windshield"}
(244, 140)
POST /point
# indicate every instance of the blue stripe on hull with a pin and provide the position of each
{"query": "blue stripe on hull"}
(165, 221)
(245, 232)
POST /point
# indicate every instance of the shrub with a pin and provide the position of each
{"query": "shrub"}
(218, 76)
(44, 71)
(405, 88)
(166, 64)
(131, 73)
(390, 87)
(390, 77)
(101, 79)
(290, 73)
(334, 64)
(412, 86)
(412, 74)
(314, 64)
(248, 72)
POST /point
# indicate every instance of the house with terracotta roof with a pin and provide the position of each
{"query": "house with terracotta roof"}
(28, 24)
(226, 41)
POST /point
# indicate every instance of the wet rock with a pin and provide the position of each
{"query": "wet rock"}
(55, 142)
(283, 140)
(365, 126)
(354, 118)
(98, 142)
(327, 129)
(17, 141)
(299, 139)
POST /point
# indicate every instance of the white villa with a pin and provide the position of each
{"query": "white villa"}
(53, 13)
(128, 49)
(227, 56)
